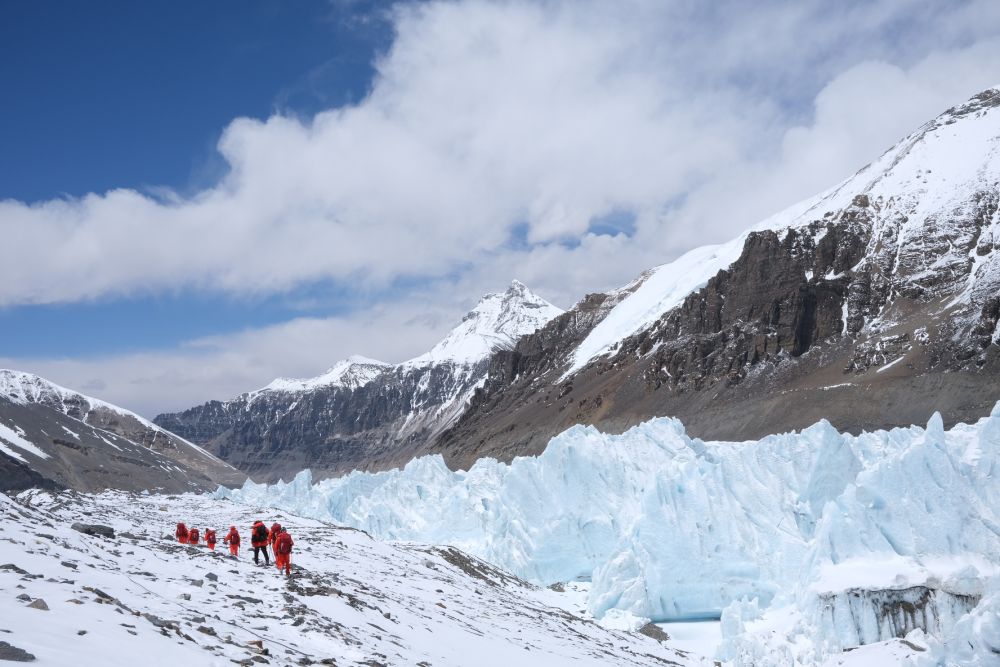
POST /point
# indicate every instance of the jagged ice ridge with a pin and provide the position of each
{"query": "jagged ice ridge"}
(668, 527)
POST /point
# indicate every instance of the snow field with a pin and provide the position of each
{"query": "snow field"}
(141, 598)
(671, 528)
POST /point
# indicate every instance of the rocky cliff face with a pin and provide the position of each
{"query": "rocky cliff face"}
(362, 413)
(872, 305)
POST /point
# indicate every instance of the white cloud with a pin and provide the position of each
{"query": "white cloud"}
(219, 367)
(495, 120)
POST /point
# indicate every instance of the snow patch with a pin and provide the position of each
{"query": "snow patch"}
(17, 439)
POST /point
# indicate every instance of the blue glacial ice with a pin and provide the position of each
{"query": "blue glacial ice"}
(669, 527)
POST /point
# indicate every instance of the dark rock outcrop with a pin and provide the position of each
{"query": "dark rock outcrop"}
(94, 529)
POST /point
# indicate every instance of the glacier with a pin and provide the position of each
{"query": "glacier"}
(854, 539)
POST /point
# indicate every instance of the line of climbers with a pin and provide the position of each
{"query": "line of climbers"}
(277, 538)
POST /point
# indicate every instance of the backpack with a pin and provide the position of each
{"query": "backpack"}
(259, 533)
(284, 544)
(182, 530)
(210, 536)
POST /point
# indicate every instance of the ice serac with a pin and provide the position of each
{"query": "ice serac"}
(806, 544)
(51, 436)
(887, 283)
(362, 413)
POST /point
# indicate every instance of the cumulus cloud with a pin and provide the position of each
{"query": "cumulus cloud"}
(487, 117)
(494, 135)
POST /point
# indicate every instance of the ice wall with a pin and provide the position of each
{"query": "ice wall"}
(670, 527)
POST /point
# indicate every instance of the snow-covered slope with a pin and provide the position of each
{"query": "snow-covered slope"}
(140, 598)
(18, 388)
(669, 527)
(923, 187)
(351, 373)
(496, 322)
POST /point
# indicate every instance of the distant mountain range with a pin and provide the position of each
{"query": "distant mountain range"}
(364, 413)
(871, 305)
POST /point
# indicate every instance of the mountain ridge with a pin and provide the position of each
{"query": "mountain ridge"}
(56, 437)
(886, 284)
(872, 304)
(334, 427)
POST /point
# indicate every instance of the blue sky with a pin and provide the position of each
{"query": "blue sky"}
(198, 197)
(134, 94)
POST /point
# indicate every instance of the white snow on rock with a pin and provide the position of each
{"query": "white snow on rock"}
(354, 372)
(142, 599)
(496, 323)
(16, 438)
(23, 388)
(668, 527)
(922, 184)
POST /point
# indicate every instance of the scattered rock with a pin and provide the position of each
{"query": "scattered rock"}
(211, 576)
(66, 563)
(94, 529)
(13, 568)
(654, 631)
(24, 597)
(184, 596)
(74, 601)
(197, 583)
(81, 632)
(39, 604)
(244, 599)
(159, 622)
(98, 592)
(14, 654)
(204, 629)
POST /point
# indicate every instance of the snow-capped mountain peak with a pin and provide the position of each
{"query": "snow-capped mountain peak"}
(351, 373)
(916, 190)
(496, 322)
